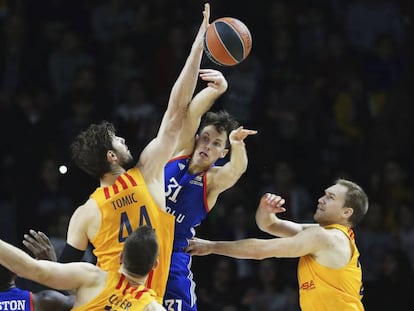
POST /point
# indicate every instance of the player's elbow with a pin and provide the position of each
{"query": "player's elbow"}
(263, 226)
(260, 226)
(239, 170)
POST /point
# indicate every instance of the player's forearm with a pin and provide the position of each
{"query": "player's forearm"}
(238, 157)
(242, 249)
(183, 89)
(265, 220)
(16, 260)
(203, 101)
(275, 226)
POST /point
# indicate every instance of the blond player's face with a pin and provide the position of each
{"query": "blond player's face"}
(210, 146)
(330, 208)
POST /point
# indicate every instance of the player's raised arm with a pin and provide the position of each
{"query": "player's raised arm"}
(160, 150)
(267, 221)
(200, 104)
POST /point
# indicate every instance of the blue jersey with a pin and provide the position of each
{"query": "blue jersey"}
(186, 199)
(16, 299)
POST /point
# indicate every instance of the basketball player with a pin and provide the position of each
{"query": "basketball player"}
(193, 183)
(96, 289)
(14, 298)
(329, 272)
(127, 199)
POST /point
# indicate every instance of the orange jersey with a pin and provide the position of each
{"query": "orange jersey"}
(326, 289)
(119, 295)
(125, 206)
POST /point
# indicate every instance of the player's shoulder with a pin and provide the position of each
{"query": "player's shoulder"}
(211, 174)
(317, 231)
(90, 207)
(328, 234)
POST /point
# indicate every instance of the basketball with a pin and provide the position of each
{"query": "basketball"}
(227, 41)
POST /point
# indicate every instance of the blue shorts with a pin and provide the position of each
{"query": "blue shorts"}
(180, 291)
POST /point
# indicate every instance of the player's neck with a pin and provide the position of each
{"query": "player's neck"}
(109, 178)
(134, 280)
(6, 287)
(195, 169)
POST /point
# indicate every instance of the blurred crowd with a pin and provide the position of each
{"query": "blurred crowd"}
(327, 85)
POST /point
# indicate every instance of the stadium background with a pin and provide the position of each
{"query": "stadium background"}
(328, 84)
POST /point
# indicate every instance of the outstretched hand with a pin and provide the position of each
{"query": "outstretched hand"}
(198, 247)
(238, 135)
(39, 244)
(272, 203)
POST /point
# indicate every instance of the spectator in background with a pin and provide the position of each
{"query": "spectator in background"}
(271, 290)
(80, 113)
(405, 230)
(241, 99)
(90, 81)
(314, 30)
(392, 188)
(166, 60)
(384, 67)
(236, 224)
(136, 115)
(51, 196)
(127, 65)
(221, 290)
(394, 288)
(374, 241)
(13, 54)
(283, 180)
(366, 20)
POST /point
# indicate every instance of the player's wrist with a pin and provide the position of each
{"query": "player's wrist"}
(239, 143)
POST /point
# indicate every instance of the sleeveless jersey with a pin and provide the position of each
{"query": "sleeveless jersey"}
(16, 299)
(186, 199)
(118, 295)
(126, 205)
(326, 289)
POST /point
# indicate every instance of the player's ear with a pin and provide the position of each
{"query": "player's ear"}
(120, 256)
(111, 156)
(348, 212)
(156, 263)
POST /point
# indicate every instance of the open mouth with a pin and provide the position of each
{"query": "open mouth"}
(203, 154)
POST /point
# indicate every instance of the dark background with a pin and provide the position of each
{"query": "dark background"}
(328, 85)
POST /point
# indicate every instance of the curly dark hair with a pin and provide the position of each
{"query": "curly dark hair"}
(90, 147)
(221, 120)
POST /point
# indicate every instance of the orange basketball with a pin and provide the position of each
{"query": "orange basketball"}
(227, 41)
